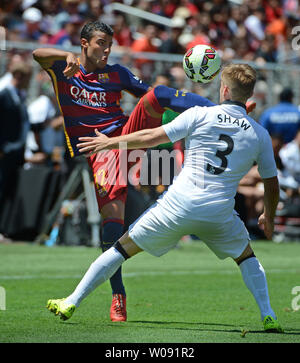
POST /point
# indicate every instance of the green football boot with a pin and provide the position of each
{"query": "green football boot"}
(272, 325)
(61, 308)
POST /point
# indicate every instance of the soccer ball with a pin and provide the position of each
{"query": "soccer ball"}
(201, 63)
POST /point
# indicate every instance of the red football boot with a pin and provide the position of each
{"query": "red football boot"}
(118, 308)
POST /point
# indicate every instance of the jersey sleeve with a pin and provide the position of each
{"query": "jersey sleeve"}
(182, 125)
(179, 101)
(132, 83)
(266, 162)
(57, 68)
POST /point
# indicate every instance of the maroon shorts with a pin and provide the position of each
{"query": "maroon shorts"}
(111, 168)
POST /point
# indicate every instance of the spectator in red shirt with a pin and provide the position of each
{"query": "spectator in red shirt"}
(122, 32)
(199, 37)
(146, 44)
(273, 10)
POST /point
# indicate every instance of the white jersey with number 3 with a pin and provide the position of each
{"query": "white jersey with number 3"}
(222, 144)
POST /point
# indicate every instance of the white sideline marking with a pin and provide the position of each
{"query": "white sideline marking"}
(149, 273)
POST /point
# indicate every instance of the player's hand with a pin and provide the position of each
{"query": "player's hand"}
(267, 225)
(92, 145)
(72, 66)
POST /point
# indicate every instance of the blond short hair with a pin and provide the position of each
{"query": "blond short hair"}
(241, 79)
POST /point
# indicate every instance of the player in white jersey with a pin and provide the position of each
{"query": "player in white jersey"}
(222, 144)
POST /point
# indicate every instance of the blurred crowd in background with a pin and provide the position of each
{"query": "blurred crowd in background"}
(257, 31)
(242, 29)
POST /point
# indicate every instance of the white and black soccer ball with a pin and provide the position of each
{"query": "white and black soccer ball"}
(201, 63)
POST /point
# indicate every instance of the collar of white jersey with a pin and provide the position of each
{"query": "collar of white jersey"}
(235, 103)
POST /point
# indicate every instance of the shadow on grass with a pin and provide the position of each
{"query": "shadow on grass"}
(223, 328)
(235, 330)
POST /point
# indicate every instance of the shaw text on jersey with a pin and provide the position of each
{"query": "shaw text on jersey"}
(223, 118)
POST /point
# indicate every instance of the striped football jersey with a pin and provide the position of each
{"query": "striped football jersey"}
(92, 100)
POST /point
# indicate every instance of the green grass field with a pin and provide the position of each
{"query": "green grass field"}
(186, 296)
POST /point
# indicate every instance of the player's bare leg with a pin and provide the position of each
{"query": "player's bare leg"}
(255, 279)
(113, 220)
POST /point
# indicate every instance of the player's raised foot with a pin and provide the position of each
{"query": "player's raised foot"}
(61, 308)
(250, 106)
(272, 325)
(118, 308)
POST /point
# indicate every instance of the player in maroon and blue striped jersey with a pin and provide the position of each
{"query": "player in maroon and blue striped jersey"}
(88, 92)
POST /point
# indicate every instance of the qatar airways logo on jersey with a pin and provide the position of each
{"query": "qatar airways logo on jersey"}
(84, 97)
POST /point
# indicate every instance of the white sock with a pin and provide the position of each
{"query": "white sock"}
(99, 271)
(255, 279)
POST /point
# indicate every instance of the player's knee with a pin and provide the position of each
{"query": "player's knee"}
(127, 250)
(117, 245)
(247, 253)
(114, 209)
(127, 247)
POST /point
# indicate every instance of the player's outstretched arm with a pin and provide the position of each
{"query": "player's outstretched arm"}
(46, 56)
(179, 101)
(142, 139)
(271, 198)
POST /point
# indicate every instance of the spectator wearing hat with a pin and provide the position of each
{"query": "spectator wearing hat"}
(172, 44)
(284, 118)
(32, 18)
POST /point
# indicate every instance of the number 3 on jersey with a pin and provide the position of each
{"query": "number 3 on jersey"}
(221, 155)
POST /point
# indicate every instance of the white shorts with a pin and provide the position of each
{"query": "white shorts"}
(157, 231)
